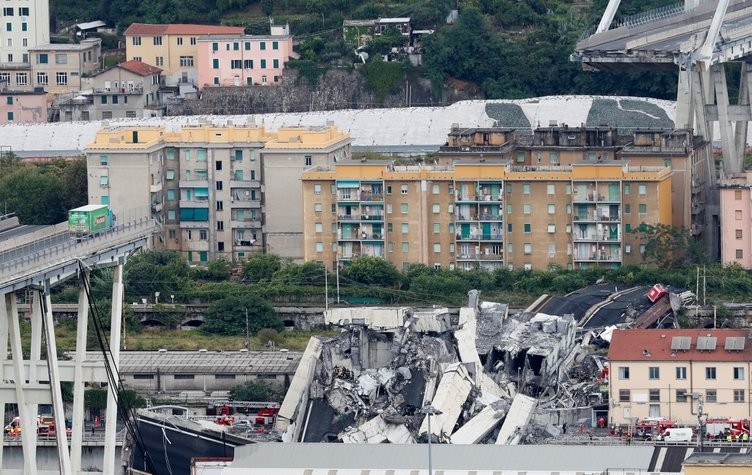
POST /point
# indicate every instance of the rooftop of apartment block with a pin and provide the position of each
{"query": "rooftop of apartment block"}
(680, 345)
(737, 180)
(206, 38)
(139, 67)
(181, 29)
(83, 45)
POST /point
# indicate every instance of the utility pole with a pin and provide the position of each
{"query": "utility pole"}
(247, 332)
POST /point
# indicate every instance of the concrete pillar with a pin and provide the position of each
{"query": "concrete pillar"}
(57, 395)
(3, 355)
(745, 91)
(732, 163)
(28, 420)
(36, 341)
(78, 384)
(684, 106)
(115, 328)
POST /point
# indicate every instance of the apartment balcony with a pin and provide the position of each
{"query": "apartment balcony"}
(245, 245)
(595, 237)
(245, 184)
(596, 217)
(249, 224)
(245, 204)
(194, 224)
(194, 203)
(156, 207)
(480, 257)
(361, 237)
(485, 198)
(155, 188)
(599, 257)
(594, 197)
(480, 237)
(193, 183)
(490, 217)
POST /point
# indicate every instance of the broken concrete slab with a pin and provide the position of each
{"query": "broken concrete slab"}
(477, 428)
(297, 394)
(454, 387)
(517, 420)
(376, 431)
(375, 318)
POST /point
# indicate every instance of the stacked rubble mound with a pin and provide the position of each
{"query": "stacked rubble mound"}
(479, 375)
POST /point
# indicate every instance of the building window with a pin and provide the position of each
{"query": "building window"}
(624, 395)
(681, 395)
(681, 372)
(436, 208)
(623, 372)
(215, 63)
(527, 228)
(654, 372)
(738, 234)
(10, 116)
(437, 247)
(317, 207)
(319, 247)
(247, 64)
(655, 395)
(738, 373)
(8, 11)
(104, 180)
(738, 215)
(22, 79)
(186, 61)
(236, 64)
(710, 372)
(157, 40)
(526, 209)
(220, 205)
(275, 65)
(627, 208)
(262, 45)
(403, 208)
(317, 189)
(42, 79)
(203, 235)
(526, 188)
(711, 395)
(224, 376)
(405, 228)
(739, 254)
(738, 395)
(403, 189)
(275, 44)
(550, 189)
(405, 247)
(738, 195)
(61, 58)
(263, 64)
(171, 194)
(143, 376)
(220, 225)
(527, 248)
(551, 209)
(551, 228)
(436, 228)
(553, 157)
(136, 41)
(642, 190)
(61, 78)
(319, 227)
(308, 160)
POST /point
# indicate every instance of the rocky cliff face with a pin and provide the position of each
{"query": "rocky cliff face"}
(336, 89)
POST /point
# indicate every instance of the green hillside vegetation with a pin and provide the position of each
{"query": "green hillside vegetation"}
(505, 48)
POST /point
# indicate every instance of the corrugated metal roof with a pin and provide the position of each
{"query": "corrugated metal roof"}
(210, 362)
(542, 458)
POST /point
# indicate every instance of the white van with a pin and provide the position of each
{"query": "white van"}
(677, 434)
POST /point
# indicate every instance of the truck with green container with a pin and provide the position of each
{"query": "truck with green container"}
(89, 220)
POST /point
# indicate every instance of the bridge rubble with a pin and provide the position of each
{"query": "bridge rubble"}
(482, 371)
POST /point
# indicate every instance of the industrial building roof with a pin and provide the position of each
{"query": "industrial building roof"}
(400, 129)
(680, 345)
(210, 362)
(457, 458)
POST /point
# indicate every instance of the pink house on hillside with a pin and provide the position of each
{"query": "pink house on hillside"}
(23, 107)
(247, 60)
(736, 219)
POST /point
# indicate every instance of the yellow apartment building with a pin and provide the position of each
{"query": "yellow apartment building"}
(663, 372)
(685, 154)
(217, 191)
(482, 214)
(172, 48)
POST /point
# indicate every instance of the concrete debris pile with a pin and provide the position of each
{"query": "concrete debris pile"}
(480, 374)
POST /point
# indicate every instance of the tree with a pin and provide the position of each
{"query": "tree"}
(261, 267)
(372, 271)
(670, 247)
(309, 273)
(157, 271)
(218, 270)
(254, 391)
(227, 316)
(32, 195)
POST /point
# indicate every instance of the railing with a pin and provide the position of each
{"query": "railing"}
(480, 237)
(480, 198)
(359, 217)
(597, 238)
(61, 248)
(88, 439)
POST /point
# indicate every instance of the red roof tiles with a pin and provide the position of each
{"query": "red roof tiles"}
(140, 68)
(655, 345)
(149, 29)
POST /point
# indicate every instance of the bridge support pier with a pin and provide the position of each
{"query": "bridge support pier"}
(77, 432)
(116, 322)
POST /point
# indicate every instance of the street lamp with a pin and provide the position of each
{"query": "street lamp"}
(429, 411)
